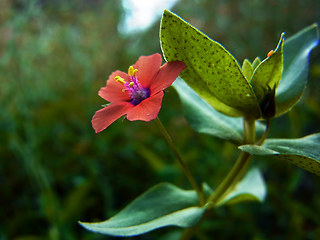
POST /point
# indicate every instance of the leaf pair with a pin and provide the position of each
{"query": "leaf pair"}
(215, 75)
(167, 205)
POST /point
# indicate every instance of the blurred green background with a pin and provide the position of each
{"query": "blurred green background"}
(54, 170)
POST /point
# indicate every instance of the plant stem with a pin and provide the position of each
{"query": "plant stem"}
(184, 167)
(233, 177)
(239, 168)
(265, 134)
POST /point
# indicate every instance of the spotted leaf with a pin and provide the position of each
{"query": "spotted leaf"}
(211, 70)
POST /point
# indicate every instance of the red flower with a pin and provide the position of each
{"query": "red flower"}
(137, 94)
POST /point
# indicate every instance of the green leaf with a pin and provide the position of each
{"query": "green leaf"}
(256, 63)
(163, 205)
(251, 188)
(205, 119)
(211, 70)
(302, 152)
(296, 51)
(247, 69)
(268, 74)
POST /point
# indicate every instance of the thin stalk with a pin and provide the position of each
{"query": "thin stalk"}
(231, 179)
(249, 130)
(184, 167)
(265, 134)
(239, 168)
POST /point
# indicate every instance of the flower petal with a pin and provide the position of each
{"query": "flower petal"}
(147, 110)
(167, 75)
(148, 67)
(105, 116)
(112, 92)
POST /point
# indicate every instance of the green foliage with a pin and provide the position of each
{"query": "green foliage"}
(205, 119)
(266, 78)
(302, 152)
(296, 52)
(268, 73)
(216, 76)
(211, 70)
(54, 57)
(247, 69)
(250, 188)
(167, 205)
(163, 205)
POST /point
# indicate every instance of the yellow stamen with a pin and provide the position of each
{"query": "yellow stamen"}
(270, 53)
(131, 84)
(135, 72)
(120, 79)
(132, 72)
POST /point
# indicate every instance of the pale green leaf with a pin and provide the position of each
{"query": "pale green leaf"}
(205, 119)
(302, 152)
(251, 188)
(296, 50)
(211, 70)
(163, 205)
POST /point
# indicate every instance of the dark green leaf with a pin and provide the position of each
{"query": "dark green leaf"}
(205, 119)
(296, 51)
(211, 70)
(163, 205)
(302, 152)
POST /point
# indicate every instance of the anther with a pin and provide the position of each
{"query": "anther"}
(132, 72)
(120, 79)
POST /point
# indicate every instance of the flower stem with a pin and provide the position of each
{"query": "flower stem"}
(239, 168)
(184, 167)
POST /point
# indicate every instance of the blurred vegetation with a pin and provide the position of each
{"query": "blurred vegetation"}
(54, 170)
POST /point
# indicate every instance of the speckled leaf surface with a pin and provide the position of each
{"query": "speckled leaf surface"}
(211, 70)
(268, 73)
(302, 152)
(296, 50)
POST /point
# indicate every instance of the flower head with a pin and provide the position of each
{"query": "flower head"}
(137, 94)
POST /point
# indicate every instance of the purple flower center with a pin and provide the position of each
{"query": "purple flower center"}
(136, 91)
